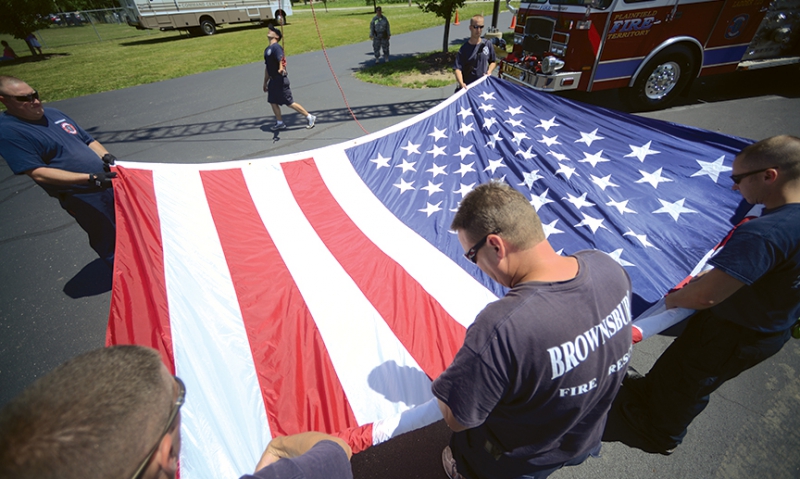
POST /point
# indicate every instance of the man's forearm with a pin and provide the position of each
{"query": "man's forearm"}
(297, 445)
(98, 148)
(704, 292)
(491, 68)
(54, 176)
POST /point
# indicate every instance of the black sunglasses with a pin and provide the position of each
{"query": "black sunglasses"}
(738, 178)
(477, 26)
(176, 406)
(26, 98)
(472, 253)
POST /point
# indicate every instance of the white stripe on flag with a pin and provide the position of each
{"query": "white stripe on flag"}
(223, 420)
(370, 362)
(461, 295)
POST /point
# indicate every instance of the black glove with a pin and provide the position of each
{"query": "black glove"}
(102, 179)
(108, 160)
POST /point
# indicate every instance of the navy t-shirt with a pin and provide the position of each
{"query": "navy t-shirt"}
(540, 367)
(326, 460)
(474, 60)
(55, 141)
(764, 254)
(273, 55)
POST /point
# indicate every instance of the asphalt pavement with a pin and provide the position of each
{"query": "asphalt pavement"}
(54, 293)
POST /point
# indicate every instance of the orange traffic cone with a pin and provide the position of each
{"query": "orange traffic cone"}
(456, 22)
(513, 23)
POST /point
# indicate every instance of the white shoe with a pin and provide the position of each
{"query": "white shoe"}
(311, 121)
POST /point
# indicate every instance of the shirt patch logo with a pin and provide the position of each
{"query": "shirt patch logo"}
(69, 128)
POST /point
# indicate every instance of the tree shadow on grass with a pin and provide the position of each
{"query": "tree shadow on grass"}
(32, 59)
(184, 35)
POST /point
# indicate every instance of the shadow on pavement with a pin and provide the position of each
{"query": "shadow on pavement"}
(95, 278)
(262, 123)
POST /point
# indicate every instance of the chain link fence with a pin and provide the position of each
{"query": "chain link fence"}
(87, 26)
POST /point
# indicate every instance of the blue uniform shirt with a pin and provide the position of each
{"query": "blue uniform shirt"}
(55, 141)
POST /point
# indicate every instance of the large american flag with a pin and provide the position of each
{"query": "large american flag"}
(324, 290)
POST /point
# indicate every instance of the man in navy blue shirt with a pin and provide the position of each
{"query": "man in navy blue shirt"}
(62, 158)
(276, 83)
(747, 304)
(476, 56)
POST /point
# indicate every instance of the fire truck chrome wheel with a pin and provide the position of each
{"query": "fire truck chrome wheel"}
(662, 81)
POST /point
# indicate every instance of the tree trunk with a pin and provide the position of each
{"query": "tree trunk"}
(446, 39)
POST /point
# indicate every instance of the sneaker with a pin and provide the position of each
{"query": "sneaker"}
(278, 126)
(449, 464)
(311, 121)
(635, 419)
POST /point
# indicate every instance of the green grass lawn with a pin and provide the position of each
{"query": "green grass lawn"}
(77, 69)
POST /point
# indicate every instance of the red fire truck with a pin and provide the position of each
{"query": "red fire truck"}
(651, 49)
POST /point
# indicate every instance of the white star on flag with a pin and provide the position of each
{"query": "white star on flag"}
(432, 188)
(566, 170)
(591, 222)
(653, 178)
(493, 140)
(407, 166)
(404, 185)
(616, 255)
(547, 124)
(621, 206)
(674, 209)
(526, 154)
(465, 112)
(514, 123)
(642, 239)
(530, 178)
(466, 128)
(588, 138)
(465, 168)
(487, 96)
(484, 107)
(436, 150)
(550, 228)
(641, 152)
(514, 111)
(464, 189)
(550, 140)
(489, 122)
(593, 159)
(431, 209)
(438, 134)
(519, 136)
(578, 201)
(712, 168)
(464, 152)
(541, 200)
(494, 165)
(411, 148)
(558, 156)
(437, 170)
(381, 162)
(603, 182)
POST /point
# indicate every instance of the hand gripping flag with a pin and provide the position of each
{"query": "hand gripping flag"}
(324, 290)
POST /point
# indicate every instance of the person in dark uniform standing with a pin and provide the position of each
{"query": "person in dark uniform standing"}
(276, 83)
(476, 56)
(380, 33)
(62, 158)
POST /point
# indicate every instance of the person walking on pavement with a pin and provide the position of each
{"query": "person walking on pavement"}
(380, 33)
(276, 83)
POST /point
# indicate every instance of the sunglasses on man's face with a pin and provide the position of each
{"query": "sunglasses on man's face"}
(26, 98)
(477, 27)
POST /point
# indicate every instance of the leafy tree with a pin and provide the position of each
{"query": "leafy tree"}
(443, 9)
(22, 17)
(75, 5)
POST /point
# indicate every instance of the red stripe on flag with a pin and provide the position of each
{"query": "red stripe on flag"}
(428, 332)
(300, 388)
(139, 309)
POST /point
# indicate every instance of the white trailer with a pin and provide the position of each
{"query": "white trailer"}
(202, 17)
